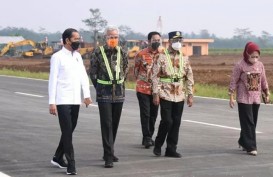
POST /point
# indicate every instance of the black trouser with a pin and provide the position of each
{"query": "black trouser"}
(68, 117)
(171, 114)
(109, 120)
(248, 115)
(148, 114)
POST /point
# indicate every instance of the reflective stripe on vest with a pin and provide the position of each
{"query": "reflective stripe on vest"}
(109, 82)
(170, 80)
(109, 69)
(171, 68)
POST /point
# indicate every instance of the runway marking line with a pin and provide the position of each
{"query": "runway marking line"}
(215, 125)
(3, 174)
(204, 123)
(28, 94)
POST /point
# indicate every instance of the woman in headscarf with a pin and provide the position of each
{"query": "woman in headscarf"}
(249, 82)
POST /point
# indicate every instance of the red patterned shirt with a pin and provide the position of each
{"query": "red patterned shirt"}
(144, 61)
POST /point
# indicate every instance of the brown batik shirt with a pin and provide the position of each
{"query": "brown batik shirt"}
(176, 90)
(114, 92)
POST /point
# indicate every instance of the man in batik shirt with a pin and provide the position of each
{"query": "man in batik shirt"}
(143, 69)
(109, 67)
(173, 73)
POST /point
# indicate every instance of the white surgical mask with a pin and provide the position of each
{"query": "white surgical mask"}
(176, 46)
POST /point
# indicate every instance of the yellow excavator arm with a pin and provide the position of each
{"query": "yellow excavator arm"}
(5, 49)
(16, 44)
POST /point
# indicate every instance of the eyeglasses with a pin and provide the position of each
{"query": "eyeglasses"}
(112, 37)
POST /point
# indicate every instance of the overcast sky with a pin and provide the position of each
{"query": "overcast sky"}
(219, 17)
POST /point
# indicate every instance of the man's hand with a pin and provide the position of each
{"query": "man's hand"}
(53, 109)
(87, 101)
(190, 101)
(156, 99)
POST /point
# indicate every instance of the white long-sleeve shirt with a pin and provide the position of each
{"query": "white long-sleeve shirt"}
(67, 77)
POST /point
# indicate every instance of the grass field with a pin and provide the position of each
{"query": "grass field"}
(206, 90)
(264, 51)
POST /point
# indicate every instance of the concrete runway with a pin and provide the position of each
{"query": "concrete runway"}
(208, 138)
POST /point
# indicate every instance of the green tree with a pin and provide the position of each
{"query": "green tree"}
(264, 38)
(96, 23)
(243, 33)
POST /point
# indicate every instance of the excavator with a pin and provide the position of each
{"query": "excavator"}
(134, 46)
(38, 49)
(41, 50)
(86, 52)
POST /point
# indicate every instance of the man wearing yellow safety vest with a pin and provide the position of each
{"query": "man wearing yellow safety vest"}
(173, 73)
(108, 70)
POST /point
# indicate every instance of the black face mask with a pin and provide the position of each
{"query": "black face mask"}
(155, 45)
(75, 45)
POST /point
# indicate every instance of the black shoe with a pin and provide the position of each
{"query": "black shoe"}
(173, 154)
(147, 142)
(157, 151)
(59, 163)
(240, 146)
(71, 170)
(115, 158)
(108, 164)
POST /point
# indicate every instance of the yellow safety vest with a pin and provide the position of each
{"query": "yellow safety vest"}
(175, 77)
(109, 69)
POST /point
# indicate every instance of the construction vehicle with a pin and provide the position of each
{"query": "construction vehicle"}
(134, 46)
(40, 50)
(86, 52)
(32, 49)
(11, 45)
(85, 49)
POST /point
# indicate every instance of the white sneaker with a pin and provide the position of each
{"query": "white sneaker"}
(58, 164)
(254, 153)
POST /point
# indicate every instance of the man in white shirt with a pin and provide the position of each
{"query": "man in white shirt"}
(67, 78)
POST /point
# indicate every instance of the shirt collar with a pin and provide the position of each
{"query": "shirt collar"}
(66, 51)
(152, 51)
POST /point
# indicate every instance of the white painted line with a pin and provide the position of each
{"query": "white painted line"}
(23, 77)
(210, 98)
(3, 174)
(215, 125)
(28, 94)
